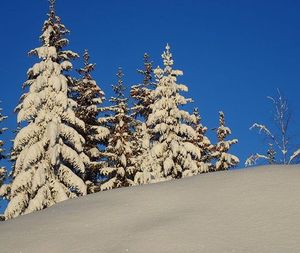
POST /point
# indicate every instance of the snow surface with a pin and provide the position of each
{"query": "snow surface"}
(252, 210)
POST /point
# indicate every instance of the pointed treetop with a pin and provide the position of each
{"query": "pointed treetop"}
(196, 111)
(222, 130)
(146, 58)
(222, 118)
(167, 58)
(120, 75)
(52, 7)
(158, 72)
(88, 67)
(86, 57)
(119, 88)
(197, 115)
(147, 71)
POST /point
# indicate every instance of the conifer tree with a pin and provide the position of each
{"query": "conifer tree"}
(89, 98)
(118, 170)
(204, 144)
(271, 153)
(50, 161)
(2, 155)
(224, 160)
(143, 160)
(141, 93)
(172, 139)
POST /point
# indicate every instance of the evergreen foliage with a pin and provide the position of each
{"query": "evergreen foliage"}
(50, 161)
(171, 137)
(225, 160)
(117, 168)
(141, 93)
(89, 98)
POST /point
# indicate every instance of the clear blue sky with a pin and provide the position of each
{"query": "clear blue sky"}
(233, 53)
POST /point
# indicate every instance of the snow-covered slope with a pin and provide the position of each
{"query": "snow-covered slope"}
(253, 210)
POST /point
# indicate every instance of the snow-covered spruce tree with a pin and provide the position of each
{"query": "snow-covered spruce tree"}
(89, 98)
(224, 160)
(171, 137)
(141, 93)
(50, 159)
(2, 155)
(118, 170)
(203, 142)
(271, 154)
(143, 160)
(280, 148)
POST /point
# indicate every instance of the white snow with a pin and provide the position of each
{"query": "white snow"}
(242, 211)
(172, 138)
(51, 136)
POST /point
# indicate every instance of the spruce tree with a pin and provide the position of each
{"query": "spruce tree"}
(89, 98)
(141, 93)
(224, 160)
(271, 153)
(204, 144)
(118, 170)
(143, 160)
(171, 137)
(50, 161)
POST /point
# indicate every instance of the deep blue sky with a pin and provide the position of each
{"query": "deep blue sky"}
(233, 53)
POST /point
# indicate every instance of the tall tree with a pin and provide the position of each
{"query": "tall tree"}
(118, 169)
(89, 98)
(172, 138)
(141, 93)
(224, 160)
(50, 160)
(280, 149)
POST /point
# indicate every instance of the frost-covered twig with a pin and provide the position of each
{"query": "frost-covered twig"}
(278, 137)
(295, 155)
(252, 160)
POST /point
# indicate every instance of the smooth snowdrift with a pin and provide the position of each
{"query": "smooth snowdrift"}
(252, 210)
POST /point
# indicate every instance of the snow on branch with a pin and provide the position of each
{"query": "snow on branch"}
(252, 160)
(262, 129)
(295, 155)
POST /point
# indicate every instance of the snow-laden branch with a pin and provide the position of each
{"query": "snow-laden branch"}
(262, 129)
(252, 160)
(295, 155)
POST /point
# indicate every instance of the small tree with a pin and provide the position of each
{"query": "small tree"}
(143, 160)
(203, 142)
(89, 98)
(279, 149)
(224, 160)
(117, 168)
